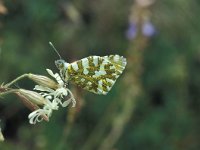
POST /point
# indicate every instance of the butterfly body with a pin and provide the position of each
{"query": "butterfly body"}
(94, 73)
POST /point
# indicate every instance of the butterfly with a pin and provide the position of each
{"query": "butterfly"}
(96, 74)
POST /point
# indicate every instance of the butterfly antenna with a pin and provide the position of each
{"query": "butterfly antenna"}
(55, 50)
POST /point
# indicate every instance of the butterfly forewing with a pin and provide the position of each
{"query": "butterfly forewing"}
(96, 74)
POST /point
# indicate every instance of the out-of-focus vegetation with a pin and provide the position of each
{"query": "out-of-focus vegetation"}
(154, 105)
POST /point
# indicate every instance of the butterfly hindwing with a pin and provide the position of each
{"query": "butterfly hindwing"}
(96, 74)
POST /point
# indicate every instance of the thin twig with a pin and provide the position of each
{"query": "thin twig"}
(15, 80)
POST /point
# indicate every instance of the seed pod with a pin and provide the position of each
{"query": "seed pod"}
(43, 80)
(34, 97)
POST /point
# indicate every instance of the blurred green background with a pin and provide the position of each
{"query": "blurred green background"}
(161, 40)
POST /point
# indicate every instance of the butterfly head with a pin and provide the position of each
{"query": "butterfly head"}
(61, 64)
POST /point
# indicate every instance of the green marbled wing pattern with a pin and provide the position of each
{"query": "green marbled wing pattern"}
(96, 74)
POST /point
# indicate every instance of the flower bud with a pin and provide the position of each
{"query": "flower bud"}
(43, 80)
(34, 97)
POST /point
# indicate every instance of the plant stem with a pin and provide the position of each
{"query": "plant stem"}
(15, 80)
(8, 92)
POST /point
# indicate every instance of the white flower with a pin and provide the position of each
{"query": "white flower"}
(37, 115)
(56, 76)
(54, 97)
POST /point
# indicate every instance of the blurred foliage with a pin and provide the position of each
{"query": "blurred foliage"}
(166, 113)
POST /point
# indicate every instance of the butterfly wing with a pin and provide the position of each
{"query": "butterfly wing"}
(97, 74)
(118, 61)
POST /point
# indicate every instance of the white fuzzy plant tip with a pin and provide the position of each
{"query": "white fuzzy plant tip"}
(61, 96)
(1, 136)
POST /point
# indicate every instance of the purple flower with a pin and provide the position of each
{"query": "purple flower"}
(148, 29)
(131, 31)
